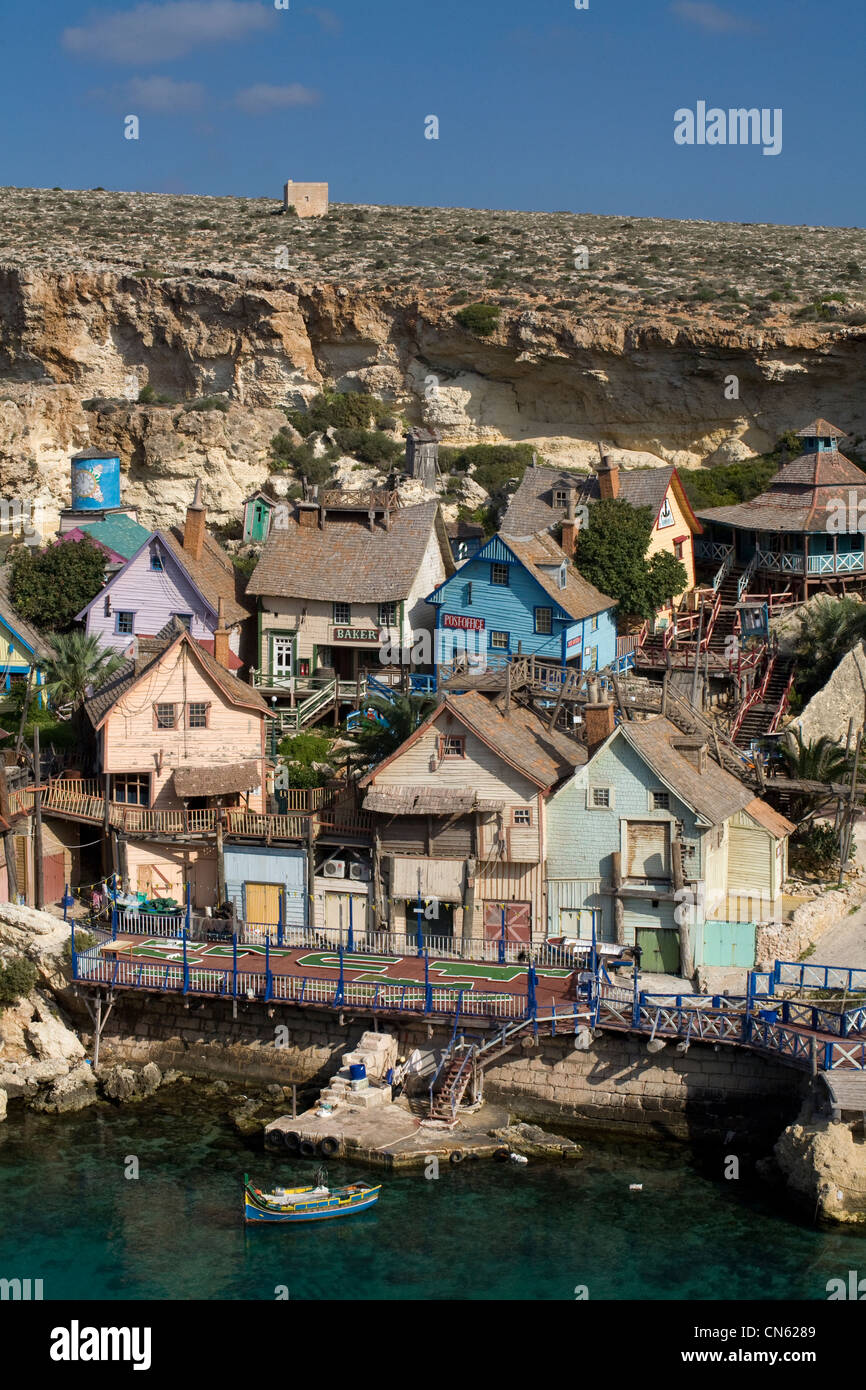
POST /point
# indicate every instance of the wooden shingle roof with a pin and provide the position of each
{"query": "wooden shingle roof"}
(347, 561)
(579, 599)
(804, 496)
(213, 574)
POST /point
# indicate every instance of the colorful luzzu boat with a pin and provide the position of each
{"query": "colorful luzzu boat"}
(320, 1203)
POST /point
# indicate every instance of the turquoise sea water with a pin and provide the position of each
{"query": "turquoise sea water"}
(481, 1231)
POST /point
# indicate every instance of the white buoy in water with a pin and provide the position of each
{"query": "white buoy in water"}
(518, 1158)
(635, 1187)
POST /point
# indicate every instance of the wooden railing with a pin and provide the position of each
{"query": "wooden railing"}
(782, 707)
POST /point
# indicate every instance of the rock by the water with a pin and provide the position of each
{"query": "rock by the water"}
(2, 1104)
(123, 1084)
(824, 1167)
(74, 1091)
(533, 1142)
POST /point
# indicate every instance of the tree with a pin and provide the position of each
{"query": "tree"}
(77, 662)
(827, 632)
(612, 556)
(819, 760)
(50, 586)
(480, 319)
(390, 723)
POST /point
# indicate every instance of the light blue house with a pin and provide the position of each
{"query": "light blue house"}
(267, 884)
(522, 594)
(649, 796)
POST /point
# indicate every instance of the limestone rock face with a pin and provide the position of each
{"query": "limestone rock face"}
(533, 1142)
(2, 1105)
(260, 343)
(825, 1166)
(843, 697)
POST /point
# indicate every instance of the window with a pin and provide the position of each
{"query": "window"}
(678, 549)
(499, 574)
(387, 614)
(133, 788)
(106, 607)
(164, 716)
(156, 561)
(560, 497)
(522, 815)
(544, 620)
(593, 627)
(452, 746)
(342, 614)
(661, 801)
(185, 618)
(600, 798)
(196, 714)
(124, 623)
(499, 640)
(590, 659)
(563, 575)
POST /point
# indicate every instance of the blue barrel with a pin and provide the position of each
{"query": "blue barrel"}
(357, 1071)
(95, 482)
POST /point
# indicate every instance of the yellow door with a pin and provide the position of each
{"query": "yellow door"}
(145, 879)
(263, 903)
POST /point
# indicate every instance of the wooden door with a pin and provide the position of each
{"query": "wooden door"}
(54, 875)
(660, 947)
(261, 513)
(518, 921)
(262, 903)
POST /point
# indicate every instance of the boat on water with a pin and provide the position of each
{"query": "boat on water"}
(319, 1203)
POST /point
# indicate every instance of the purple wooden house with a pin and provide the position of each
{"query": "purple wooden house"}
(181, 573)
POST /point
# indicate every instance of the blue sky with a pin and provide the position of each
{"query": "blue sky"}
(540, 105)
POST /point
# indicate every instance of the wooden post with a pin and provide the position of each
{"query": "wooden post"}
(618, 909)
(97, 1031)
(23, 720)
(123, 862)
(665, 679)
(37, 822)
(687, 949)
(8, 838)
(221, 862)
(311, 876)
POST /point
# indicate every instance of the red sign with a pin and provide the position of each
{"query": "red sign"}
(467, 624)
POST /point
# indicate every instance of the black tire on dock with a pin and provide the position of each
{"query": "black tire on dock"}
(329, 1146)
(307, 1148)
(457, 1156)
(276, 1139)
(292, 1140)
(501, 1155)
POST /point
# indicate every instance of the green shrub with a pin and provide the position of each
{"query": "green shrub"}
(493, 465)
(17, 979)
(305, 748)
(340, 409)
(369, 446)
(480, 319)
(814, 850)
(83, 942)
(299, 459)
(49, 586)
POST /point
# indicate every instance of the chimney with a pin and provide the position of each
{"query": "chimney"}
(308, 514)
(599, 723)
(608, 478)
(193, 531)
(221, 647)
(570, 527)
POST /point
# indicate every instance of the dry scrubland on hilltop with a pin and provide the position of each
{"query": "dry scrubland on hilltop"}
(742, 271)
(159, 327)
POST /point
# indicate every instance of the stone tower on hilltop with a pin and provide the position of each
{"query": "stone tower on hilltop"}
(308, 199)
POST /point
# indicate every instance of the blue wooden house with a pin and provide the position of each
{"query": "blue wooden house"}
(522, 594)
(803, 533)
(648, 795)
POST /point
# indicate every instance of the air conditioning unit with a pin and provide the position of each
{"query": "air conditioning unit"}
(360, 872)
(335, 868)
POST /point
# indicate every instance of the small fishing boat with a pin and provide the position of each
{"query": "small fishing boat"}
(319, 1203)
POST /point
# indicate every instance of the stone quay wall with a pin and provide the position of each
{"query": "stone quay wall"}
(616, 1086)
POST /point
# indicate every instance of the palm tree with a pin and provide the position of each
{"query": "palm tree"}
(819, 760)
(827, 631)
(77, 664)
(385, 724)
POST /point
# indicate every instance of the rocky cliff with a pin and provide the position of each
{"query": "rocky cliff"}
(82, 332)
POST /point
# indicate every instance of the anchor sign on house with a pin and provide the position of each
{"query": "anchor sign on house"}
(666, 516)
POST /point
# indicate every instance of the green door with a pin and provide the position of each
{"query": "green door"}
(661, 950)
(261, 514)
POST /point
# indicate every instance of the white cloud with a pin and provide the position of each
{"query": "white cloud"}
(261, 98)
(711, 17)
(153, 33)
(160, 94)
